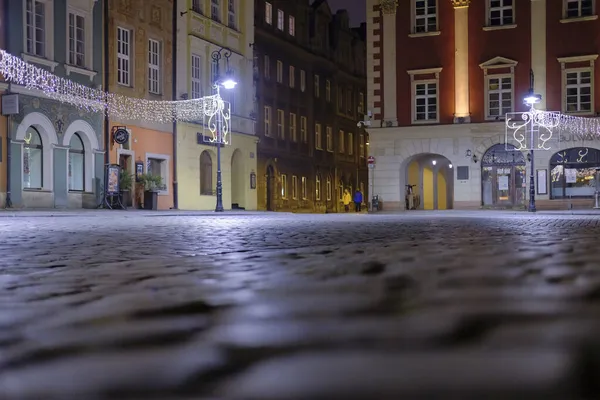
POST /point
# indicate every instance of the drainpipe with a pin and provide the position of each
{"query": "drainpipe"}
(174, 94)
(106, 75)
(8, 200)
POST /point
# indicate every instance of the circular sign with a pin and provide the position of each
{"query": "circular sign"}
(371, 160)
(121, 136)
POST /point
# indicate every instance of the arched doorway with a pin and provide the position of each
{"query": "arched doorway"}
(503, 181)
(432, 181)
(573, 173)
(238, 179)
(270, 187)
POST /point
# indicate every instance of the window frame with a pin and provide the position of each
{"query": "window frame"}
(414, 18)
(329, 138)
(196, 76)
(488, 12)
(489, 92)
(39, 147)
(280, 20)
(318, 187)
(414, 82)
(303, 188)
(284, 187)
(72, 53)
(328, 188)
(216, 5)
(124, 58)
(280, 124)
(565, 69)
(294, 187)
(83, 166)
(318, 136)
(293, 130)
(232, 18)
(165, 168)
(291, 25)
(154, 67)
(32, 29)
(267, 117)
(579, 17)
(303, 129)
(268, 13)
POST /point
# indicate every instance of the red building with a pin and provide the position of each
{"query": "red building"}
(442, 76)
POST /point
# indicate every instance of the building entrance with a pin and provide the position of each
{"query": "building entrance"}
(503, 177)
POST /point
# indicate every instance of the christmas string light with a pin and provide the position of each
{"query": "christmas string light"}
(117, 106)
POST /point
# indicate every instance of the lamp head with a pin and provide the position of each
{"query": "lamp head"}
(229, 83)
(532, 98)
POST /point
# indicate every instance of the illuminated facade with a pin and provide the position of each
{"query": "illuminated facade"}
(443, 74)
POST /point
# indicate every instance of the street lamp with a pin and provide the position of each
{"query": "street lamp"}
(531, 100)
(228, 82)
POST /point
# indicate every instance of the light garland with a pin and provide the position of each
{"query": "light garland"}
(116, 106)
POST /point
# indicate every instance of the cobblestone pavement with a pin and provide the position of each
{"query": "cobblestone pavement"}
(482, 305)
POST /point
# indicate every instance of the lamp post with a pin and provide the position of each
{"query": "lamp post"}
(531, 99)
(226, 82)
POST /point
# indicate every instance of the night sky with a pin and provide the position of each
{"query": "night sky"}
(357, 9)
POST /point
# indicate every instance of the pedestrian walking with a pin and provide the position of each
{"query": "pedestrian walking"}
(357, 200)
(347, 199)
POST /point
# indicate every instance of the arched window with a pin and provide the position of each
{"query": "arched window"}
(318, 187)
(76, 164)
(573, 173)
(329, 188)
(206, 174)
(33, 158)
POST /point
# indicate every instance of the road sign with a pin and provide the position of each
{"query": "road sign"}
(371, 160)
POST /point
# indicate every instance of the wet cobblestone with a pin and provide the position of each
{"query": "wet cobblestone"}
(279, 306)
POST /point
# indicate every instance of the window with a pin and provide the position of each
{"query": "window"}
(292, 25)
(361, 103)
(123, 56)
(303, 188)
(215, 10)
(197, 6)
(268, 13)
(280, 22)
(33, 158)
(425, 16)
(292, 77)
(214, 71)
(500, 12)
(303, 130)
(280, 124)
(293, 134)
(76, 164)
(267, 67)
(328, 188)
(499, 95)
(153, 66)
(328, 90)
(197, 87)
(267, 121)
(341, 141)
(318, 144)
(294, 187)
(76, 40)
(579, 8)
(284, 189)
(35, 17)
(361, 145)
(206, 174)
(329, 138)
(578, 90)
(350, 143)
(231, 17)
(318, 188)
(159, 166)
(302, 80)
(424, 102)
(317, 85)
(279, 72)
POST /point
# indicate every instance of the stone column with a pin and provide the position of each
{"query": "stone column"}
(538, 49)
(98, 182)
(390, 108)
(461, 61)
(61, 176)
(16, 173)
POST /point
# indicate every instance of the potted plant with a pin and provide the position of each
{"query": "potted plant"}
(152, 184)
(125, 185)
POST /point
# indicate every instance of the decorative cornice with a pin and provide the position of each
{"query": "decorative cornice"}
(460, 3)
(389, 6)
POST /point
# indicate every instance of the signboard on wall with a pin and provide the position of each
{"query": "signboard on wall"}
(503, 182)
(571, 175)
(10, 104)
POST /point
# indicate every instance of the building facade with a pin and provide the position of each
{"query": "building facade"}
(310, 82)
(4, 142)
(140, 43)
(209, 30)
(56, 149)
(442, 75)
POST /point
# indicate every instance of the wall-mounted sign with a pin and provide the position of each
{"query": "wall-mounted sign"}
(571, 175)
(10, 104)
(542, 181)
(120, 135)
(253, 180)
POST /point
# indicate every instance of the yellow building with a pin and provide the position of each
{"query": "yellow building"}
(205, 28)
(140, 66)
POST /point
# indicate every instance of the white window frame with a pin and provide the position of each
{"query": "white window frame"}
(292, 25)
(328, 90)
(284, 188)
(318, 187)
(231, 15)
(489, 68)
(329, 138)
(292, 77)
(294, 187)
(196, 76)
(303, 129)
(579, 17)
(154, 66)
(280, 123)
(318, 137)
(341, 141)
(350, 143)
(564, 62)
(279, 71)
(125, 58)
(268, 113)
(280, 20)
(268, 13)
(293, 130)
(414, 74)
(500, 91)
(303, 189)
(48, 31)
(165, 169)
(302, 80)
(414, 18)
(86, 43)
(328, 188)
(317, 86)
(501, 9)
(361, 145)
(215, 10)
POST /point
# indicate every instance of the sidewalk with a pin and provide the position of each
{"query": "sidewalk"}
(22, 213)
(489, 212)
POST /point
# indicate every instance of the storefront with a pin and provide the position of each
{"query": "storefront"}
(573, 173)
(503, 177)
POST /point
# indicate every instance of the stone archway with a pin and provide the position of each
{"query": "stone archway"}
(238, 180)
(431, 177)
(503, 177)
(90, 144)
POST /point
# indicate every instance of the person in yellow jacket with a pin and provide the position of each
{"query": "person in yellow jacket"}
(347, 199)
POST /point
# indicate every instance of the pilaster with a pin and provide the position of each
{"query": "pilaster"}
(390, 111)
(538, 49)
(462, 112)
